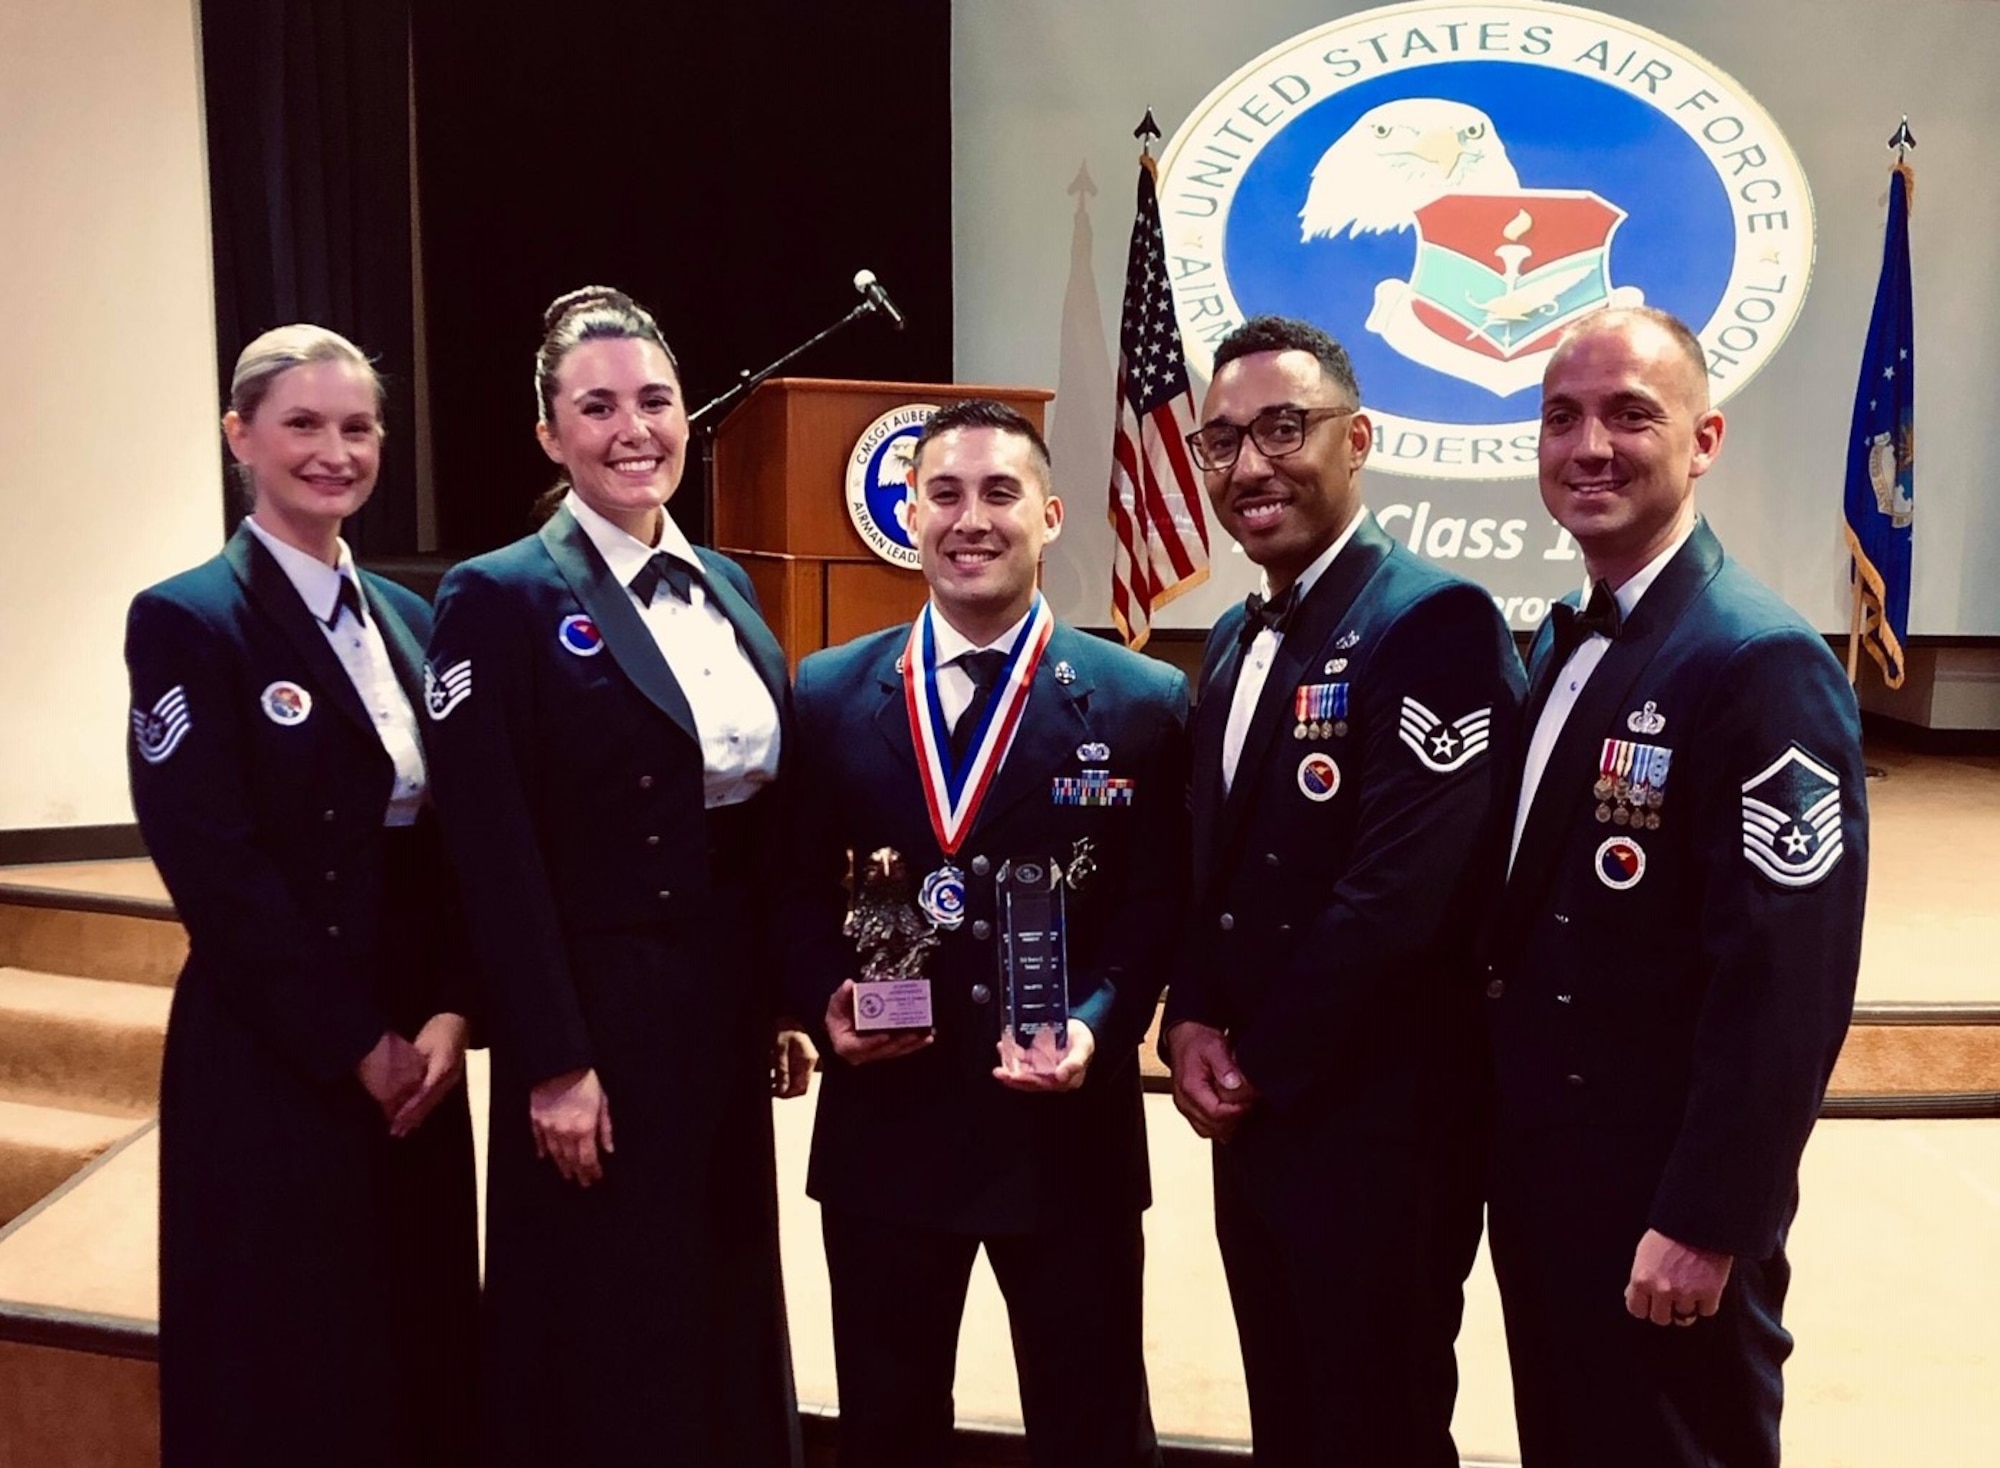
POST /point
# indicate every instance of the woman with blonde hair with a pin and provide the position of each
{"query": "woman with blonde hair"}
(318, 1248)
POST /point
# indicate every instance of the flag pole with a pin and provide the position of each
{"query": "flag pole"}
(1854, 627)
(1900, 143)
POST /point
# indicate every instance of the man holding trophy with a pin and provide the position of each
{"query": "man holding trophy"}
(1006, 797)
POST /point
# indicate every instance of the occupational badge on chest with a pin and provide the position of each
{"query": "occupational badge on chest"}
(1321, 710)
(1631, 783)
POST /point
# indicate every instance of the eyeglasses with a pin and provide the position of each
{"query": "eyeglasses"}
(1276, 432)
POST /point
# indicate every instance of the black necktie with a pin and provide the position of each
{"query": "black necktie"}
(983, 668)
(1599, 615)
(662, 569)
(350, 597)
(1275, 613)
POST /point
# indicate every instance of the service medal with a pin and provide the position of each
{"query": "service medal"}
(955, 788)
(942, 896)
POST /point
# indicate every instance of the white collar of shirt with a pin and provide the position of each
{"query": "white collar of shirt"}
(1262, 652)
(317, 583)
(953, 644)
(1568, 686)
(1627, 596)
(1325, 558)
(623, 552)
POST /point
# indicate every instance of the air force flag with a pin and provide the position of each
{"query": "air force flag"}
(1882, 450)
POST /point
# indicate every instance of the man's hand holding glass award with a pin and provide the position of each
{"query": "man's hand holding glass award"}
(1042, 1048)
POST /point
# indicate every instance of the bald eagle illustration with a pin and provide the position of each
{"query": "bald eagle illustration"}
(1399, 157)
(894, 470)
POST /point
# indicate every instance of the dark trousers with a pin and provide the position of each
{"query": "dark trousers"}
(1345, 1310)
(1074, 1306)
(1594, 1386)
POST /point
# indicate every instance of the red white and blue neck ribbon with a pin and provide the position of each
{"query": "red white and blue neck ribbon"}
(953, 794)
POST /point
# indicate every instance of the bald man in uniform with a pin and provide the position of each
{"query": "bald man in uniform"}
(1671, 971)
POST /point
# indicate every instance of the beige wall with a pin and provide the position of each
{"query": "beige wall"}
(108, 445)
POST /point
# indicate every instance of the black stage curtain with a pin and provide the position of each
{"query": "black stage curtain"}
(308, 107)
(730, 165)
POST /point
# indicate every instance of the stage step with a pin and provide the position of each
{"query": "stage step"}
(101, 920)
(41, 1147)
(89, 1044)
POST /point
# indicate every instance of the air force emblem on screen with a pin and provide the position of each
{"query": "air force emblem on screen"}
(1446, 188)
(1791, 819)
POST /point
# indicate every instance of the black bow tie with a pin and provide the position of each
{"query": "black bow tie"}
(1274, 613)
(350, 598)
(662, 569)
(1600, 615)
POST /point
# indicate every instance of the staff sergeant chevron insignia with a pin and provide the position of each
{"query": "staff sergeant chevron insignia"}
(159, 733)
(445, 691)
(1791, 819)
(1445, 747)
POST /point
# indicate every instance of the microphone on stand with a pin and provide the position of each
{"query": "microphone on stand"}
(866, 283)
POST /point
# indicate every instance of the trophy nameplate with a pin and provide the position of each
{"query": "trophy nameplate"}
(893, 938)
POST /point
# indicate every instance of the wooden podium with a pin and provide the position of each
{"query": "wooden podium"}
(781, 503)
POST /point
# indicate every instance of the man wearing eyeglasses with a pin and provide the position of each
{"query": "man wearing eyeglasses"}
(1356, 719)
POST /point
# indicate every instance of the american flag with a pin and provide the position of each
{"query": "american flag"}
(1156, 498)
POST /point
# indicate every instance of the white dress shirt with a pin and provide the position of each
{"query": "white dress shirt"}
(733, 710)
(359, 646)
(1569, 686)
(1263, 652)
(954, 684)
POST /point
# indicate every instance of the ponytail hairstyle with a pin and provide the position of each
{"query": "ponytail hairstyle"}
(593, 313)
(275, 353)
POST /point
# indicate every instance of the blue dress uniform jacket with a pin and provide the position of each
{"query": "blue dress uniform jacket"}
(932, 1138)
(319, 1279)
(1666, 1005)
(922, 1160)
(615, 928)
(1336, 889)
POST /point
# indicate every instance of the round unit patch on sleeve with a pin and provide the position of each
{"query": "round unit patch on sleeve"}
(445, 691)
(1791, 819)
(158, 732)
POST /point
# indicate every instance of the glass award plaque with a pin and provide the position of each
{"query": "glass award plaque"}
(1034, 961)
